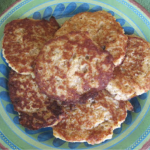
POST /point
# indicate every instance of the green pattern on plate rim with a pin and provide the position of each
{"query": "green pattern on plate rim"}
(135, 129)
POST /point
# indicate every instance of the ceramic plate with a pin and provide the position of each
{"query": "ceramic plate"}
(134, 132)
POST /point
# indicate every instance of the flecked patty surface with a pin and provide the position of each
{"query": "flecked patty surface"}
(72, 65)
(103, 29)
(23, 40)
(35, 109)
(81, 126)
(132, 78)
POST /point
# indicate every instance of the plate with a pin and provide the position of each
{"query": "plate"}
(133, 133)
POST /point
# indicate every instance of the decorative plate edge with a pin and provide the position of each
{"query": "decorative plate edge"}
(10, 7)
(140, 7)
(7, 142)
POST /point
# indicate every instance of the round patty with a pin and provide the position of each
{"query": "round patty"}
(36, 109)
(132, 78)
(23, 40)
(103, 29)
(72, 65)
(75, 127)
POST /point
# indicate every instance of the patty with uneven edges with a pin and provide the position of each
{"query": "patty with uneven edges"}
(108, 115)
(23, 40)
(132, 78)
(71, 66)
(47, 116)
(35, 109)
(103, 29)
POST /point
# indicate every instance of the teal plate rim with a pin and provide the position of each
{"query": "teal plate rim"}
(135, 10)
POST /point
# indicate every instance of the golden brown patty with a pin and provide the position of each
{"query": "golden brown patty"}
(72, 65)
(23, 40)
(24, 93)
(47, 116)
(103, 29)
(107, 113)
(133, 76)
(36, 109)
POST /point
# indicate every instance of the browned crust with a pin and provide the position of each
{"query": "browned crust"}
(103, 30)
(37, 110)
(145, 85)
(67, 130)
(132, 77)
(45, 118)
(23, 40)
(23, 101)
(103, 77)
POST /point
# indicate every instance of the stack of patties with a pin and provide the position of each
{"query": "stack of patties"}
(132, 78)
(77, 80)
(94, 121)
(23, 40)
(35, 109)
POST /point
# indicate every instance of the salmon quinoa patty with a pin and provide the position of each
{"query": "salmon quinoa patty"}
(103, 29)
(70, 67)
(47, 116)
(93, 122)
(35, 109)
(132, 78)
(23, 40)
